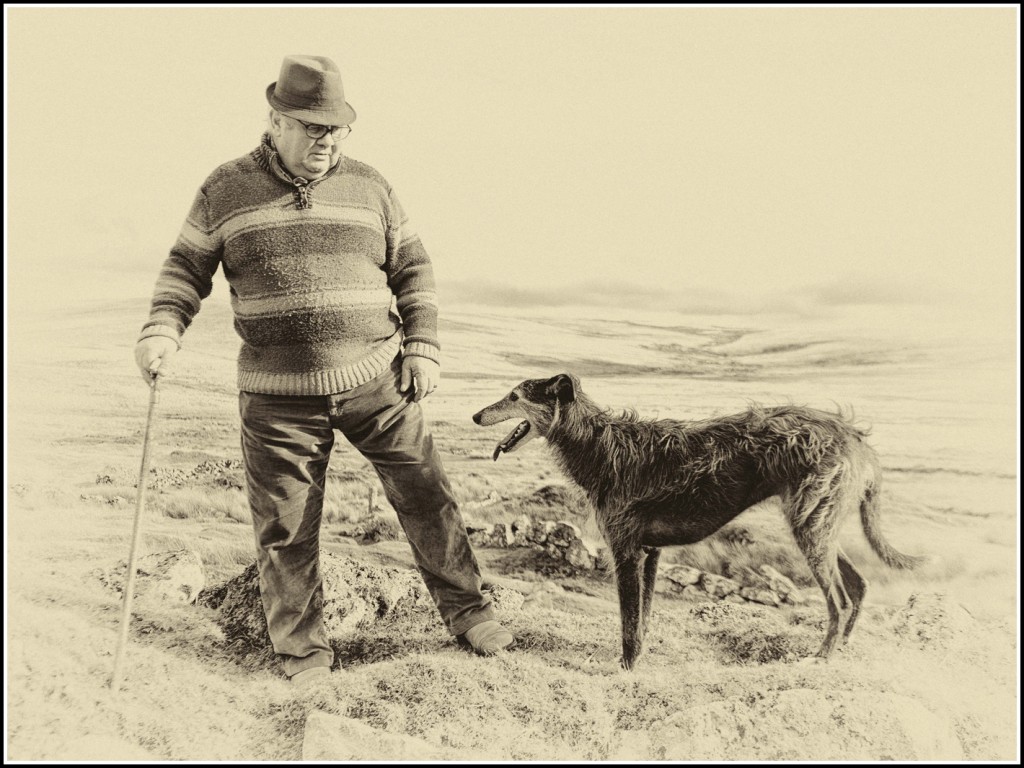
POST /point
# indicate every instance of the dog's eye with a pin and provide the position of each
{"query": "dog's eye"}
(513, 397)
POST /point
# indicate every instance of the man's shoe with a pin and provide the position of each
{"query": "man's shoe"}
(309, 677)
(486, 638)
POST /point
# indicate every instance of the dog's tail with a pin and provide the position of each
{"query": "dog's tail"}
(870, 519)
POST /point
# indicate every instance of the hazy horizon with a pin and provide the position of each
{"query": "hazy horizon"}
(721, 159)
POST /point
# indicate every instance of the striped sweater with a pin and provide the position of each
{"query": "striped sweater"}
(328, 280)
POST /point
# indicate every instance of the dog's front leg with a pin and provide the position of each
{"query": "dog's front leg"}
(628, 578)
(650, 576)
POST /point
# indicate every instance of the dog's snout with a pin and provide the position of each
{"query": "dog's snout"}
(476, 418)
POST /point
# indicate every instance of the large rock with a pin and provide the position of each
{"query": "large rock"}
(582, 553)
(355, 594)
(780, 585)
(174, 577)
(333, 738)
(563, 534)
(805, 724)
(718, 586)
(682, 575)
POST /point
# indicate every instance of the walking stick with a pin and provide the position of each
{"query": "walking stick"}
(140, 503)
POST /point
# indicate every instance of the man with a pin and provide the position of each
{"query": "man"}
(333, 297)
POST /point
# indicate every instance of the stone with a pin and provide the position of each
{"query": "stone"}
(333, 738)
(779, 584)
(174, 577)
(520, 529)
(539, 531)
(763, 596)
(683, 575)
(563, 533)
(805, 724)
(500, 536)
(718, 586)
(582, 554)
(355, 594)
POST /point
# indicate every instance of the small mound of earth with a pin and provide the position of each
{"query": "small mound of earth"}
(933, 619)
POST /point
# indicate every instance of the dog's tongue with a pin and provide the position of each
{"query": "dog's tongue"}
(509, 443)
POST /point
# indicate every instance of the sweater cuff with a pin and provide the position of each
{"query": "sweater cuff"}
(160, 330)
(422, 349)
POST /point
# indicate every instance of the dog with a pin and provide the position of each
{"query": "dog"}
(657, 483)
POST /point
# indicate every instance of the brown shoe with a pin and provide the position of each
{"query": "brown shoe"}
(486, 638)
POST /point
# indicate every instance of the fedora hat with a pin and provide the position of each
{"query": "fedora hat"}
(309, 89)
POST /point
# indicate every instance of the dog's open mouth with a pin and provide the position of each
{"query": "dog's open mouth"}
(511, 442)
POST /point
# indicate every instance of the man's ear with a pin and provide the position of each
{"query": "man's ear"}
(563, 387)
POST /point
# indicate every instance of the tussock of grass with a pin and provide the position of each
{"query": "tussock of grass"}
(202, 504)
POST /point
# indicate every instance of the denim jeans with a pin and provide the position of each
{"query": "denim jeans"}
(286, 445)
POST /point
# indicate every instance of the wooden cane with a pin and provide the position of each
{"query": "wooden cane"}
(140, 503)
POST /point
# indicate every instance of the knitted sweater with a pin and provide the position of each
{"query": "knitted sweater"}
(328, 281)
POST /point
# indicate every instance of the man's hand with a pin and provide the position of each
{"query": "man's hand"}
(421, 374)
(152, 355)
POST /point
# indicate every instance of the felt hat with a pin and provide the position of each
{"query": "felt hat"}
(309, 88)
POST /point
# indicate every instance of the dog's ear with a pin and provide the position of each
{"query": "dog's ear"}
(563, 387)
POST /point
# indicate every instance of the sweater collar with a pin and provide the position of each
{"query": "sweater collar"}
(268, 159)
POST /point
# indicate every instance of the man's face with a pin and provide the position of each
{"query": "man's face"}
(301, 155)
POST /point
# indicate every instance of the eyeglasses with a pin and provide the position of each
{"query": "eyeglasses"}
(314, 131)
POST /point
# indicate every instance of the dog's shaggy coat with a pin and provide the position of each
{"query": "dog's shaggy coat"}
(665, 482)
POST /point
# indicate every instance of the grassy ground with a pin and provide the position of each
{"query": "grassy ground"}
(75, 430)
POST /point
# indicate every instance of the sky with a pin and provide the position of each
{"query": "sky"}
(700, 157)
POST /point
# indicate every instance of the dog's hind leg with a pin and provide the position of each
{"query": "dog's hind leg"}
(822, 558)
(856, 585)
(628, 577)
(650, 576)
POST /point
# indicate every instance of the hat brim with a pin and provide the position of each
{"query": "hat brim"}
(344, 116)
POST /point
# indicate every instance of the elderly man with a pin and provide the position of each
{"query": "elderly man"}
(333, 296)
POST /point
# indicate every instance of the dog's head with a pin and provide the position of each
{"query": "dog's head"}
(536, 401)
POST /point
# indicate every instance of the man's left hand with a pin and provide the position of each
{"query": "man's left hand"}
(421, 375)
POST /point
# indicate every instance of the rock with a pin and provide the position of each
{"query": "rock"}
(335, 738)
(780, 585)
(176, 577)
(763, 596)
(355, 594)
(521, 531)
(539, 531)
(693, 592)
(479, 536)
(718, 586)
(563, 534)
(500, 536)
(582, 554)
(683, 575)
(804, 724)
(474, 525)
(933, 619)
(734, 597)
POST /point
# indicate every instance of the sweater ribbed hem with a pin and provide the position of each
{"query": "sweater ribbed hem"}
(422, 349)
(329, 382)
(160, 330)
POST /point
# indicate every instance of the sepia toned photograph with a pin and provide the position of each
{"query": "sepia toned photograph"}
(517, 383)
